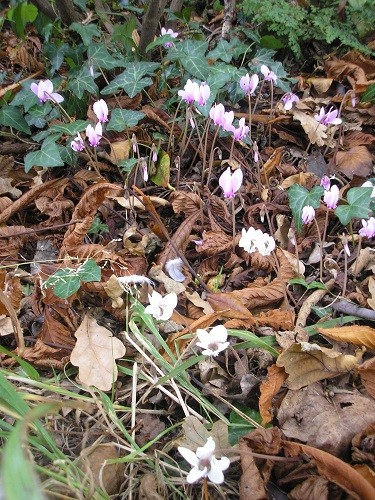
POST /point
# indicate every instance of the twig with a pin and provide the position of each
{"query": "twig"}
(346, 307)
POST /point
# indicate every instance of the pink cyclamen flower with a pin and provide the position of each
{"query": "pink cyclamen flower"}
(101, 110)
(249, 83)
(289, 99)
(368, 228)
(329, 118)
(308, 214)
(94, 134)
(204, 463)
(269, 75)
(325, 182)
(44, 91)
(77, 143)
(203, 94)
(217, 114)
(191, 90)
(331, 197)
(231, 183)
(242, 130)
(171, 33)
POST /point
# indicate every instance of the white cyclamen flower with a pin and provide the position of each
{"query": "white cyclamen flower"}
(254, 240)
(204, 463)
(174, 269)
(161, 307)
(214, 341)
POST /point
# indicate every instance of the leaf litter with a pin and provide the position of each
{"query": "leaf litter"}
(313, 383)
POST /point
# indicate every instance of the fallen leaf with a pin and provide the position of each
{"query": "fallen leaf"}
(148, 489)
(313, 487)
(114, 291)
(199, 302)
(6, 325)
(371, 289)
(356, 161)
(119, 151)
(320, 84)
(307, 363)
(95, 353)
(355, 334)
(268, 390)
(367, 373)
(316, 131)
(335, 470)
(251, 483)
(273, 161)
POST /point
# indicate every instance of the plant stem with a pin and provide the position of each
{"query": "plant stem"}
(321, 250)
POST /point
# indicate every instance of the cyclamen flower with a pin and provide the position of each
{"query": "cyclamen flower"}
(204, 463)
(44, 91)
(94, 134)
(254, 240)
(369, 184)
(329, 118)
(331, 197)
(77, 143)
(194, 92)
(368, 228)
(289, 99)
(203, 94)
(217, 114)
(174, 269)
(268, 74)
(308, 214)
(242, 130)
(325, 182)
(230, 183)
(171, 33)
(160, 307)
(214, 341)
(101, 110)
(249, 84)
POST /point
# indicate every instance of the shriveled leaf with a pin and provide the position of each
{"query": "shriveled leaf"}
(356, 161)
(95, 353)
(114, 291)
(268, 390)
(316, 131)
(228, 305)
(334, 469)
(307, 363)
(367, 372)
(354, 334)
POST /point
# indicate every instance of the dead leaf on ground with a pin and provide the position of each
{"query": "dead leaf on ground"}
(150, 486)
(371, 289)
(367, 372)
(357, 161)
(354, 334)
(268, 390)
(334, 469)
(251, 483)
(106, 476)
(327, 420)
(95, 353)
(363, 446)
(307, 363)
(317, 132)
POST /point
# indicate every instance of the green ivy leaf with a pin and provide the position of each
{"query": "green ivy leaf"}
(223, 51)
(191, 54)
(131, 80)
(358, 205)
(127, 165)
(69, 128)
(163, 170)
(299, 197)
(47, 156)
(79, 85)
(121, 119)
(67, 286)
(55, 54)
(89, 271)
(11, 116)
(25, 97)
(99, 57)
(87, 32)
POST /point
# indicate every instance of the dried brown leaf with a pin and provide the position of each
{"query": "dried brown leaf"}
(271, 164)
(335, 470)
(313, 488)
(228, 305)
(357, 138)
(367, 372)
(307, 363)
(354, 334)
(185, 202)
(215, 242)
(95, 353)
(268, 390)
(251, 483)
(316, 132)
(356, 161)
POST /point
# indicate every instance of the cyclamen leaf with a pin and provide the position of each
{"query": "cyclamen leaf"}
(79, 85)
(358, 205)
(123, 118)
(191, 54)
(300, 197)
(69, 128)
(87, 32)
(131, 80)
(12, 117)
(99, 56)
(66, 287)
(47, 156)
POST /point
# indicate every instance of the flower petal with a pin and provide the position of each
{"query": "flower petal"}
(196, 474)
(189, 456)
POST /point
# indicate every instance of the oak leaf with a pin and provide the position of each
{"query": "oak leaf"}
(307, 363)
(95, 353)
(354, 334)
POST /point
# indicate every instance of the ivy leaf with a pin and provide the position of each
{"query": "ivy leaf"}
(69, 128)
(25, 97)
(358, 205)
(87, 32)
(127, 165)
(89, 271)
(221, 51)
(79, 85)
(47, 156)
(11, 116)
(299, 197)
(131, 80)
(123, 118)
(191, 54)
(55, 55)
(37, 114)
(66, 285)
(99, 56)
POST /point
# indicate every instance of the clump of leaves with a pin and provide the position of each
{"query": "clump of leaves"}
(296, 25)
